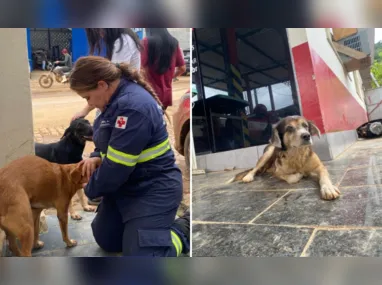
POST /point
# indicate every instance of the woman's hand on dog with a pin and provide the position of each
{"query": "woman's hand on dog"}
(90, 165)
(83, 113)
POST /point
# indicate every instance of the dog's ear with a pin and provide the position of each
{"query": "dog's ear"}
(313, 129)
(76, 174)
(67, 131)
(275, 138)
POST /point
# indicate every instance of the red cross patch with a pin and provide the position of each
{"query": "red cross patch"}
(120, 123)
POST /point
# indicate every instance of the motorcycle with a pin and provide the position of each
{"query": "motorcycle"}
(46, 80)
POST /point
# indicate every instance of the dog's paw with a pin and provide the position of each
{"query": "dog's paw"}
(71, 243)
(39, 244)
(76, 216)
(89, 208)
(329, 192)
(248, 178)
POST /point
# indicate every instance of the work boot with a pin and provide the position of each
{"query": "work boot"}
(182, 227)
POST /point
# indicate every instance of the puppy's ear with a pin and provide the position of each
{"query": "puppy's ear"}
(275, 138)
(67, 131)
(313, 129)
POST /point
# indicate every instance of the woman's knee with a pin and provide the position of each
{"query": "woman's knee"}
(108, 238)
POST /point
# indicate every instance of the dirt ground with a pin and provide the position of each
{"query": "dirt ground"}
(54, 107)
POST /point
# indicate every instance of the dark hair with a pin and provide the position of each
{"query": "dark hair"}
(95, 39)
(161, 49)
(89, 70)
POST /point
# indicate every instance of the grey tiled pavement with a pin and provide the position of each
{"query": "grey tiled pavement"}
(78, 230)
(268, 217)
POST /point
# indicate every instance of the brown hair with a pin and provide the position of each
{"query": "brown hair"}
(89, 70)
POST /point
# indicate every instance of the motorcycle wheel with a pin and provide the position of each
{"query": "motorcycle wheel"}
(45, 81)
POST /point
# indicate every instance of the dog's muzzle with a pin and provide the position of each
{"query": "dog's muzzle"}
(305, 137)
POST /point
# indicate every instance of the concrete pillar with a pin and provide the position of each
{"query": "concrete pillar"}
(16, 125)
(192, 153)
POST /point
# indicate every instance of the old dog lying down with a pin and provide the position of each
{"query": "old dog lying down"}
(290, 157)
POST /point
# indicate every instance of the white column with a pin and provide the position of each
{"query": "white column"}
(192, 153)
(16, 125)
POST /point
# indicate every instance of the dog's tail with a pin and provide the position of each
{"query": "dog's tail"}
(239, 176)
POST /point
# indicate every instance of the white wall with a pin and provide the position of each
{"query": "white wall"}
(16, 126)
(296, 36)
(373, 98)
(319, 42)
(182, 35)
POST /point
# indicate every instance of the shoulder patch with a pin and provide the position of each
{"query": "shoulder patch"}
(121, 122)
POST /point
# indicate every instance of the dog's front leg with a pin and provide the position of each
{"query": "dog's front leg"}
(84, 201)
(63, 219)
(36, 220)
(262, 161)
(327, 189)
(73, 214)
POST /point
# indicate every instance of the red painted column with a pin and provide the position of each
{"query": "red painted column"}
(340, 110)
(326, 98)
(309, 98)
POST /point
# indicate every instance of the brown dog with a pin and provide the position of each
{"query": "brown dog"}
(27, 186)
(290, 157)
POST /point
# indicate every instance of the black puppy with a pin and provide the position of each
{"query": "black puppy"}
(69, 149)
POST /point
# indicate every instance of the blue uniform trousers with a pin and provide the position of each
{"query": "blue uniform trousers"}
(143, 236)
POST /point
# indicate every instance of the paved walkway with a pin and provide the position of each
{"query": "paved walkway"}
(271, 218)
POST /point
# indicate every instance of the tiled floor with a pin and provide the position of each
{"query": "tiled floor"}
(78, 230)
(272, 218)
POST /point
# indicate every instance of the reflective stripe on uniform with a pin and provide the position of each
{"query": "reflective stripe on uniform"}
(154, 152)
(121, 157)
(177, 243)
(131, 160)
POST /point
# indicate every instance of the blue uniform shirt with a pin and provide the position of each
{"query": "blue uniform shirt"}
(138, 167)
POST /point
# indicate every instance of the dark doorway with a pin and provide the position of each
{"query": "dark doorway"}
(263, 74)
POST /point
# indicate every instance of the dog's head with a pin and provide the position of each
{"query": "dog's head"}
(80, 129)
(292, 132)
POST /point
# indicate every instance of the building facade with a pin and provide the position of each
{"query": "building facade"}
(246, 80)
(53, 40)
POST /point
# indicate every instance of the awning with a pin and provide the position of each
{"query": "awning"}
(355, 48)
(353, 59)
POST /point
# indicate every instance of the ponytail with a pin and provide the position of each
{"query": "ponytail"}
(134, 75)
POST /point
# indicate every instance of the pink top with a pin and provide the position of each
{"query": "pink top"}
(162, 83)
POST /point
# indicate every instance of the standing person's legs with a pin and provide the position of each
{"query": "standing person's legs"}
(108, 228)
(152, 236)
